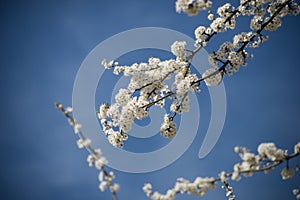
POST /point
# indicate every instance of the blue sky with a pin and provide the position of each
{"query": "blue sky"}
(43, 45)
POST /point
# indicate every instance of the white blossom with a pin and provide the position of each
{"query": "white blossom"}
(241, 38)
(183, 87)
(274, 25)
(115, 187)
(236, 60)
(287, 173)
(102, 111)
(100, 162)
(295, 12)
(210, 16)
(178, 49)
(218, 25)
(83, 143)
(224, 11)
(212, 59)
(256, 22)
(141, 113)
(68, 110)
(270, 151)
(113, 112)
(147, 188)
(103, 185)
(191, 7)
(235, 176)
(127, 115)
(115, 138)
(296, 192)
(212, 77)
(223, 176)
(91, 160)
(168, 128)
(297, 148)
(101, 176)
(122, 97)
(200, 34)
(236, 172)
(77, 128)
(107, 64)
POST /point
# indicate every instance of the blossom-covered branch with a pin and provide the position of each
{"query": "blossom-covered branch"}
(148, 86)
(268, 157)
(95, 157)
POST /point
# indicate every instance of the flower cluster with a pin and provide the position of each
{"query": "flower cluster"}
(296, 192)
(179, 50)
(212, 76)
(229, 190)
(266, 15)
(227, 54)
(226, 19)
(168, 128)
(198, 187)
(250, 162)
(270, 151)
(148, 87)
(105, 182)
(297, 148)
(268, 158)
(191, 7)
(287, 173)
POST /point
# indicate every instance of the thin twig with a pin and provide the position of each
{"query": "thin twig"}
(89, 148)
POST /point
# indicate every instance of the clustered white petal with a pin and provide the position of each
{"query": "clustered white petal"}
(210, 16)
(83, 143)
(168, 128)
(148, 87)
(287, 173)
(178, 48)
(201, 34)
(223, 176)
(235, 55)
(191, 7)
(122, 97)
(296, 192)
(228, 55)
(256, 22)
(269, 150)
(297, 148)
(200, 186)
(147, 188)
(212, 77)
(108, 64)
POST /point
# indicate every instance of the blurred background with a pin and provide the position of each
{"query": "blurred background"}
(43, 44)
